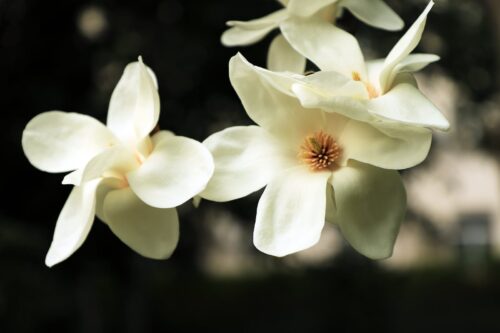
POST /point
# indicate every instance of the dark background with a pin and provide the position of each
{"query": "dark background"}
(48, 61)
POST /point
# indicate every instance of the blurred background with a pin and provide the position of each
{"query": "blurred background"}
(68, 55)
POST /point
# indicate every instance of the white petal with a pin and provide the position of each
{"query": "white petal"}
(281, 81)
(406, 104)
(114, 162)
(371, 204)
(246, 158)
(333, 92)
(261, 93)
(74, 223)
(389, 146)
(329, 47)
(134, 107)
(331, 209)
(412, 63)
(308, 7)
(415, 62)
(151, 232)
(403, 48)
(282, 57)
(105, 186)
(177, 170)
(246, 33)
(57, 141)
(375, 13)
(291, 212)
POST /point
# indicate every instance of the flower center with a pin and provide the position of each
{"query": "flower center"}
(320, 151)
(372, 92)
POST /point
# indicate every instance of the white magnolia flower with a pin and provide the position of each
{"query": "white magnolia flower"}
(316, 165)
(281, 56)
(382, 90)
(130, 179)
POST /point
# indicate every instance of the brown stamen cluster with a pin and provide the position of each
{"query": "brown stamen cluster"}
(320, 151)
(372, 92)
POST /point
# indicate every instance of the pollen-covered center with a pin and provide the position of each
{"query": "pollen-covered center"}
(320, 151)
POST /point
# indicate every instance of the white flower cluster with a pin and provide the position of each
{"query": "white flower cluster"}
(327, 146)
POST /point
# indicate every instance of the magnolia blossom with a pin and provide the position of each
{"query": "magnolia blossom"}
(316, 166)
(378, 91)
(281, 56)
(127, 173)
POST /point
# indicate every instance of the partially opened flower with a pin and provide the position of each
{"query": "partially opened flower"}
(315, 165)
(129, 177)
(281, 56)
(376, 91)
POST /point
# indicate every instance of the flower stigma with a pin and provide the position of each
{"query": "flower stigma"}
(320, 151)
(372, 92)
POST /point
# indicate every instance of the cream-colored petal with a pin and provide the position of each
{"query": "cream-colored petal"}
(282, 57)
(333, 92)
(105, 186)
(375, 13)
(281, 81)
(412, 63)
(371, 204)
(291, 212)
(151, 232)
(389, 146)
(308, 7)
(246, 158)
(402, 49)
(178, 169)
(406, 104)
(245, 33)
(74, 223)
(334, 83)
(58, 141)
(330, 48)
(114, 162)
(268, 105)
(134, 107)
(415, 62)
(331, 208)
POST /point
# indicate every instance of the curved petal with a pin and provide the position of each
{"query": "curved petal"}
(134, 107)
(268, 105)
(375, 13)
(177, 170)
(291, 212)
(412, 63)
(388, 146)
(74, 223)
(406, 104)
(261, 93)
(245, 33)
(113, 162)
(333, 92)
(151, 232)
(371, 204)
(403, 47)
(331, 209)
(307, 8)
(415, 62)
(58, 141)
(246, 158)
(330, 48)
(282, 57)
(240, 67)
(105, 186)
